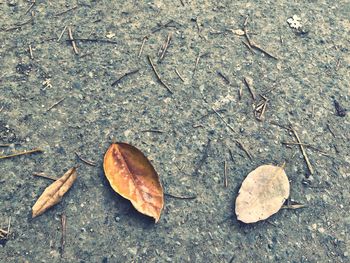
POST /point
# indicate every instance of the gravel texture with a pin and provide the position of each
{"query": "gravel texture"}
(311, 72)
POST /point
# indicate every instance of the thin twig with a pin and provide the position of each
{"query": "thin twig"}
(61, 35)
(153, 130)
(21, 153)
(31, 52)
(231, 155)
(181, 197)
(251, 91)
(19, 25)
(240, 92)
(249, 47)
(225, 174)
(101, 40)
(30, 7)
(222, 118)
(244, 149)
(330, 130)
(280, 125)
(143, 43)
(9, 226)
(264, 51)
(231, 128)
(45, 176)
(307, 145)
(178, 73)
(157, 75)
(91, 163)
(226, 79)
(166, 45)
(294, 206)
(63, 231)
(70, 35)
(125, 75)
(9, 144)
(260, 109)
(55, 104)
(197, 62)
(309, 166)
(251, 44)
(65, 11)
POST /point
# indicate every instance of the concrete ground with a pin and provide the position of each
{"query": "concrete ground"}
(62, 103)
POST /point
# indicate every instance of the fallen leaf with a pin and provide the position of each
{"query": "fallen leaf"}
(132, 176)
(53, 193)
(262, 193)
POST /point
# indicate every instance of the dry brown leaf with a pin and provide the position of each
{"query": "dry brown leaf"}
(54, 192)
(132, 176)
(262, 193)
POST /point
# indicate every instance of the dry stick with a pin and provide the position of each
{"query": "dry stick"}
(161, 26)
(21, 153)
(31, 52)
(182, 3)
(178, 73)
(45, 176)
(231, 155)
(70, 35)
(307, 145)
(16, 26)
(264, 51)
(8, 144)
(295, 206)
(55, 104)
(180, 197)
(157, 75)
(30, 7)
(65, 11)
(195, 66)
(296, 143)
(91, 163)
(63, 230)
(330, 130)
(260, 109)
(153, 130)
(249, 47)
(227, 124)
(249, 88)
(309, 166)
(237, 141)
(240, 93)
(240, 145)
(60, 36)
(143, 43)
(94, 40)
(281, 126)
(225, 174)
(226, 79)
(125, 75)
(166, 45)
(251, 44)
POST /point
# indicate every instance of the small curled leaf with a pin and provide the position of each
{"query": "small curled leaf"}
(53, 193)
